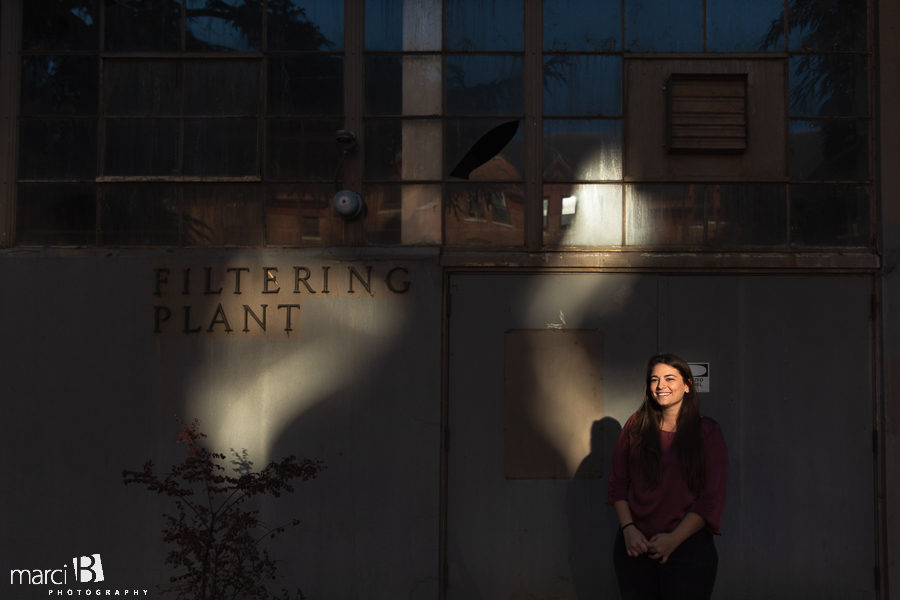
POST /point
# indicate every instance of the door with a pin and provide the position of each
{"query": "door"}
(544, 369)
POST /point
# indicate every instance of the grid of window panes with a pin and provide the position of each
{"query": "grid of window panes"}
(212, 122)
(179, 123)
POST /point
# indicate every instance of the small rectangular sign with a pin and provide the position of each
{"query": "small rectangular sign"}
(700, 371)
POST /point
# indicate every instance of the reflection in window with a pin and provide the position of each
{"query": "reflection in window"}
(484, 26)
(501, 162)
(827, 25)
(222, 215)
(408, 25)
(305, 25)
(142, 26)
(582, 150)
(484, 215)
(145, 215)
(829, 150)
(585, 85)
(302, 149)
(298, 216)
(484, 85)
(217, 25)
(828, 85)
(55, 25)
(59, 85)
(732, 215)
(582, 215)
(582, 25)
(741, 26)
(830, 215)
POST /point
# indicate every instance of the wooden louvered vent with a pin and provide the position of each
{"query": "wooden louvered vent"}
(707, 113)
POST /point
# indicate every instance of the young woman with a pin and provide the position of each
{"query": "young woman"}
(667, 485)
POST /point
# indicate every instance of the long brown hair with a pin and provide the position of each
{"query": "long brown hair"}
(688, 442)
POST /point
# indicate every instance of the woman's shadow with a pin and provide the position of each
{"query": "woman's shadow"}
(592, 523)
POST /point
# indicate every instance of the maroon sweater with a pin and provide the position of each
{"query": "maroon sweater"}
(660, 509)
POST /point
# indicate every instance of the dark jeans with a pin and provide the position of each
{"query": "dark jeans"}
(689, 574)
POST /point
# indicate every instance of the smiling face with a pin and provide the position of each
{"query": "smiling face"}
(667, 386)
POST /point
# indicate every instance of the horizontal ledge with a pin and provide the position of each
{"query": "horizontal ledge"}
(667, 261)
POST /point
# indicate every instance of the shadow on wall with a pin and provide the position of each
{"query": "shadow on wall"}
(592, 524)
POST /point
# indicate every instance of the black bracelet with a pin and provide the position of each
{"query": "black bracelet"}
(622, 528)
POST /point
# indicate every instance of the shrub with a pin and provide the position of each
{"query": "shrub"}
(215, 535)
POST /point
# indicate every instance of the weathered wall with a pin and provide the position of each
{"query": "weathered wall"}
(90, 389)
(791, 363)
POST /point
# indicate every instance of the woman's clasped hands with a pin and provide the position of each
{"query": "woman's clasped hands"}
(659, 547)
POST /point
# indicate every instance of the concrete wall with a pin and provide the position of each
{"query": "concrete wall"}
(791, 363)
(90, 389)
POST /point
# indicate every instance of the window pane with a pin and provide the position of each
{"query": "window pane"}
(829, 150)
(422, 85)
(829, 86)
(714, 214)
(420, 214)
(828, 25)
(223, 25)
(59, 85)
(383, 220)
(220, 147)
(830, 215)
(223, 215)
(143, 25)
(306, 85)
(485, 215)
(384, 138)
(384, 88)
(420, 138)
(60, 25)
(56, 214)
(582, 215)
(384, 24)
(403, 25)
(741, 26)
(303, 149)
(746, 215)
(221, 88)
(582, 150)
(305, 25)
(302, 216)
(583, 25)
(664, 26)
(664, 215)
(141, 147)
(481, 149)
(141, 87)
(479, 25)
(58, 149)
(484, 85)
(140, 215)
(582, 85)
